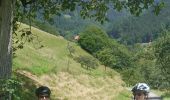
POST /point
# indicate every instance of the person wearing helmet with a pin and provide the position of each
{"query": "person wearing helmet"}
(140, 91)
(43, 93)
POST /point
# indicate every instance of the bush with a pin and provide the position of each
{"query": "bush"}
(44, 26)
(87, 61)
(108, 51)
(93, 39)
(113, 58)
(162, 53)
(9, 87)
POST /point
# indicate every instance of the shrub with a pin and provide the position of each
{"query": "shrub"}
(87, 61)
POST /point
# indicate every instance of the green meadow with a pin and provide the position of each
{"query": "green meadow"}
(51, 65)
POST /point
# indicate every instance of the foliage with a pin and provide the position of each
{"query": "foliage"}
(142, 29)
(113, 58)
(68, 27)
(10, 86)
(142, 66)
(40, 9)
(27, 90)
(70, 49)
(108, 51)
(162, 51)
(107, 57)
(93, 39)
(127, 29)
(45, 27)
(166, 95)
(96, 9)
(21, 36)
(87, 61)
(145, 68)
(122, 26)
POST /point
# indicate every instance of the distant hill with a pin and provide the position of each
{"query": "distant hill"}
(142, 29)
(51, 65)
(122, 26)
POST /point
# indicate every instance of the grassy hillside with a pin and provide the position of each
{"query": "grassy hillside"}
(52, 66)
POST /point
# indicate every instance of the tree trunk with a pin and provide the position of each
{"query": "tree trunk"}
(6, 14)
(6, 18)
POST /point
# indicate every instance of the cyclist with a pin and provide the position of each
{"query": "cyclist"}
(140, 91)
(43, 93)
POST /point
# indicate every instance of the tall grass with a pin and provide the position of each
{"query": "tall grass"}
(68, 80)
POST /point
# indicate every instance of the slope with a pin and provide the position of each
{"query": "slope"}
(52, 66)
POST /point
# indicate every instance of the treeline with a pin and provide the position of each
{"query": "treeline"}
(143, 29)
(141, 62)
(43, 26)
(122, 26)
(108, 51)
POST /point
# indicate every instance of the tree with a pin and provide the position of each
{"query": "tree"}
(93, 39)
(162, 51)
(115, 57)
(6, 15)
(108, 51)
(71, 51)
(106, 57)
(87, 61)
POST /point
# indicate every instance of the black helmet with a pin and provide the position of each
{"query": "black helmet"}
(43, 90)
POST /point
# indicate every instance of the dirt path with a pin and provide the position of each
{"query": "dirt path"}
(154, 96)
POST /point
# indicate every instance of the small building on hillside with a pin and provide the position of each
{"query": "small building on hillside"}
(77, 37)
